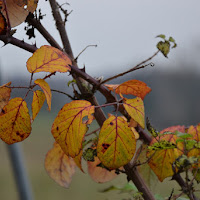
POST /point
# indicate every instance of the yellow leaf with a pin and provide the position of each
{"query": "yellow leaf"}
(78, 160)
(48, 59)
(162, 160)
(38, 101)
(116, 144)
(15, 123)
(59, 166)
(134, 87)
(69, 129)
(99, 174)
(47, 90)
(18, 10)
(4, 95)
(135, 108)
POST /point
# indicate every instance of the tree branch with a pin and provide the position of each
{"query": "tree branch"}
(138, 66)
(36, 23)
(19, 43)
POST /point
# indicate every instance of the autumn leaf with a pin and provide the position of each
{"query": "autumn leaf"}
(38, 101)
(4, 95)
(195, 132)
(18, 10)
(134, 87)
(59, 166)
(48, 59)
(78, 160)
(15, 123)
(173, 129)
(3, 24)
(47, 90)
(99, 174)
(135, 108)
(162, 159)
(116, 144)
(112, 87)
(70, 126)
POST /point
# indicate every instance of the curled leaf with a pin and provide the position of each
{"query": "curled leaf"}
(116, 144)
(48, 59)
(15, 123)
(47, 90)
(164, 47)
(59, 166)
(69, 127)
(38, 101)
(18, 10)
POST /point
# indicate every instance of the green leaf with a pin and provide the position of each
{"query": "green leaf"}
(161, 36)
(190, 144)
(164, 47)
(183, 135)
(89, 154)
(70, 82)
(196, 173)
(171, 39)
(151, 129)
(162, 144)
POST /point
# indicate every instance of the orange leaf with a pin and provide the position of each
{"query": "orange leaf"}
(135, 108)
(3, 24)
(4, 95)
(99, 174)
(162, 160)
(38, 101)
(18, 10)
(134, 87)
(47, 90)
(69, 129)
(48, 59)
(15, 123)
(174, 128)
(59, 166)
(111, 87)
(116, 144)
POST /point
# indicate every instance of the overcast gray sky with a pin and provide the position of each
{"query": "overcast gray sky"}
(123, 30)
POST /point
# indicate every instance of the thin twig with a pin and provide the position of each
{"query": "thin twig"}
(138, 66)
(92, 132)
(72, 98)
(92, 45)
